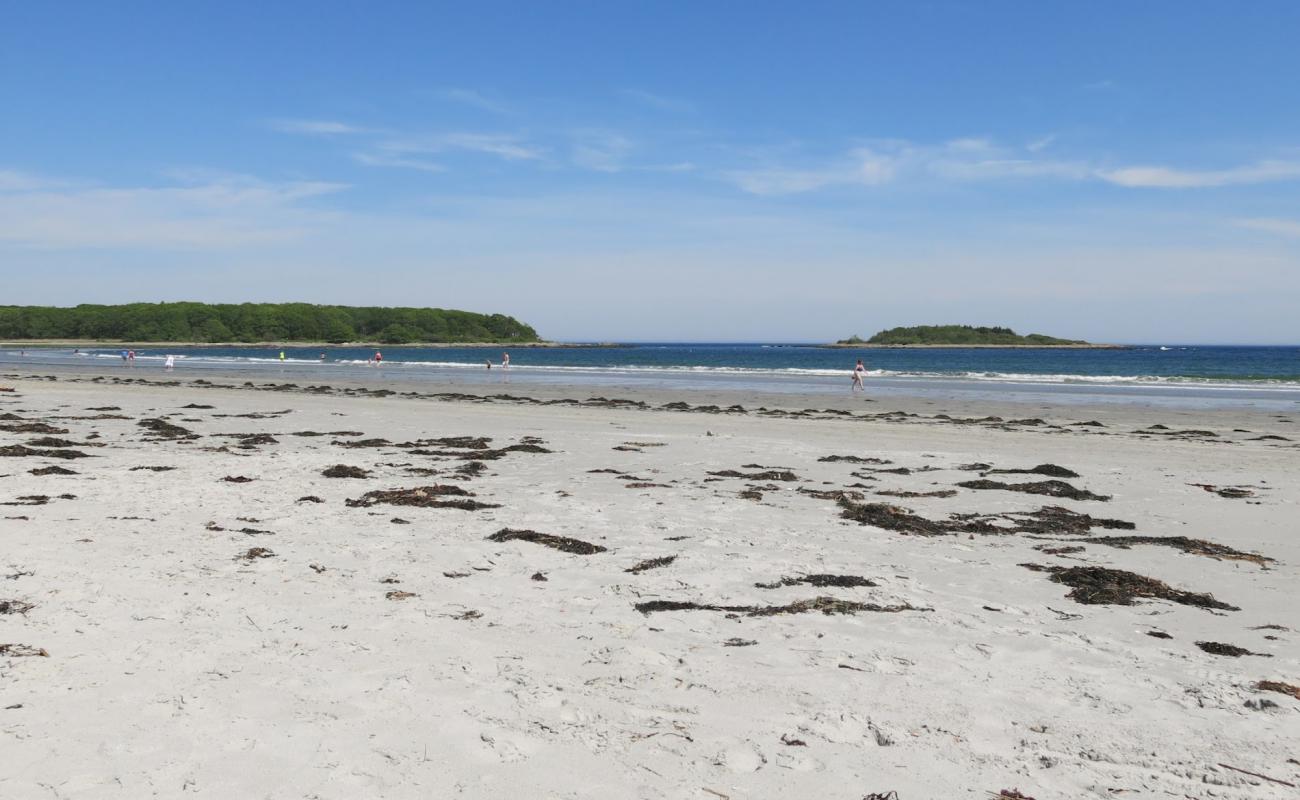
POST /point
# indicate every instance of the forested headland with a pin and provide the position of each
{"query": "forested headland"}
(257, 322)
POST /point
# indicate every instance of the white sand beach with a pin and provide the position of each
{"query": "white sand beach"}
(174, 633)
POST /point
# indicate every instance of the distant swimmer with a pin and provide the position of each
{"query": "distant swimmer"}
(379, 358)
(858, 372)
(171, 363)
(322, 356)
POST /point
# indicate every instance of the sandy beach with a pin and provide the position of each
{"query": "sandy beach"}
(542, 593)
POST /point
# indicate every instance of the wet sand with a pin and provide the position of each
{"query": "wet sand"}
(541, 593)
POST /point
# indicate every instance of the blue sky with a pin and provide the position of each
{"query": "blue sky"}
(666, 171)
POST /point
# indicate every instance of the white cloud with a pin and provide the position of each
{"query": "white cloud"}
(316, 127)
(506, 146)
(1168, 178)
(1282, 227)
(386, 160)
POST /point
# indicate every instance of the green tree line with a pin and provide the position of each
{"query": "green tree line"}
(958, 334)
(258, 322)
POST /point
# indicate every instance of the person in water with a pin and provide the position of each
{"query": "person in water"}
(379, 358)
(282, 355)
(505, 361)
(858, 372)
(171, 363)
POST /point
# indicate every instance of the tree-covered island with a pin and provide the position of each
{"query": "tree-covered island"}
(204, 323)
(959, 336)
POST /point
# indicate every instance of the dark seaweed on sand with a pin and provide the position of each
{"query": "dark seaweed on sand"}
(32, 427)
(153, 469)
(854, 460)
(650, 563)
(562, 543)
(1049, 488)
(769, 475)
(422, 497)
(22, 650)
(902, 493)
(15, 607)
(344, 471)
(826, 605)
(1050, 470)
(21, 451)
(820, 581)
(162, 429)
(52, 470)
(1104, 586)
(254, 553)
(891, 518)
(1198, 547)
(1231, 650)
(832, 494)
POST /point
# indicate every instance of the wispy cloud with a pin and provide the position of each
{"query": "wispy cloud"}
(1282, 227)
(602, 151)
(971, 159)
(225, 212)
(656, 101)
(470, 97)
(388, 160)
(1170, 178)
(316, 127)
(506, 146)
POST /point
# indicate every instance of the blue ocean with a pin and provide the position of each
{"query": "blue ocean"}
(1147, 371)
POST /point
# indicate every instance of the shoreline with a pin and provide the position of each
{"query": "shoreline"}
(102, 343)
(866, 346)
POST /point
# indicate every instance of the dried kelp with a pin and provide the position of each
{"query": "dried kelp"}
(650, 563)
(22, 650)
(1230, 650)
(1198, 547)
(1049, 488)
(854, 460)
(1050, 470)
(562, 543)
(254, 553)
(21, 451)
(902, 493)
(768, 475)
(820, 581)
(1280, 687)
(826, 605)
(345, 471)
(162, 429)
(422, 497)
(891, 518)
(1104, 586)
(32, 427)
(15, 607)
(52, 470)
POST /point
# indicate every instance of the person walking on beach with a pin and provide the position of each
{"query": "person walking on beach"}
(171, 363)
(858, 372)
(123, 356)
(130, 357)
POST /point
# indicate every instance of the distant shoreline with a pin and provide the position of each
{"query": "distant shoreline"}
(315, 345)
(866, 346)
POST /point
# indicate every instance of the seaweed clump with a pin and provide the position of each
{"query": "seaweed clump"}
(345, 471)
(1198, 547)
(422, 497)
(561, 543)
(891, 518)
(162, 429)
(1230, 650)
(650, 563)
(820, 581)
(826, 605)
(1051, 488)
(1104, 586)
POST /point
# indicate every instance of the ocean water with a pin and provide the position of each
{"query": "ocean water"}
(1261, 375)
